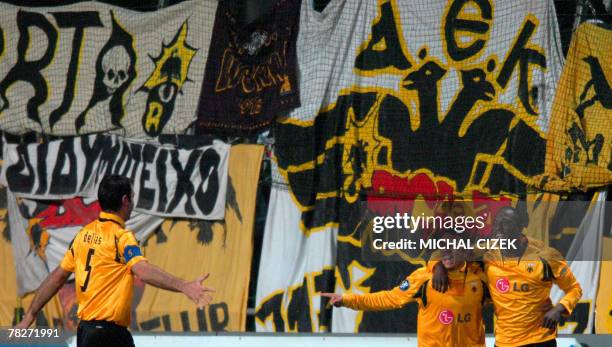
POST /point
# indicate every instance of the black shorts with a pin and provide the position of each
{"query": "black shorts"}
(549, 343)
(101, 333)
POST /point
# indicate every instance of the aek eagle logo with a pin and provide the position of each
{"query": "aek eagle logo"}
(166, 82)
(476, 143)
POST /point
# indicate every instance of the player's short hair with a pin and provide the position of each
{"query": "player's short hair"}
(111, 191)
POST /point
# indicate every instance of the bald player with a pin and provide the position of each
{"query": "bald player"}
(104, 258)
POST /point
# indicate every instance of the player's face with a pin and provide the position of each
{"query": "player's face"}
(129, 205)
(448, 260)
(506, 226)
(452, 258)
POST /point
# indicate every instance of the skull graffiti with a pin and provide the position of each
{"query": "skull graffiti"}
(115, 64)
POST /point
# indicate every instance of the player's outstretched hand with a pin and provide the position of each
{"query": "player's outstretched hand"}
(440, 278)
(552, 317)
(334, 299)
(196, 292)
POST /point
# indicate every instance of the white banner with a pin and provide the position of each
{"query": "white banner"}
(92, 67)
(295, 268)
(588, 239)
(419, 98)
(167, 181)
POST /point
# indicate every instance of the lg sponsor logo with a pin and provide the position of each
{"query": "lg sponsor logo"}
(446, 317)
(502, 285)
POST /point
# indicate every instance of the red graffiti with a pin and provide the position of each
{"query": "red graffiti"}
(391, 194)
(404, 191)
(68, 213)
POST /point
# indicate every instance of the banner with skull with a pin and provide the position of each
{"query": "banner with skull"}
(92, 67)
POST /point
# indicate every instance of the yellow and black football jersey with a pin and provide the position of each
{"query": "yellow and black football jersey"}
(453, 318)
(520, 289)
(101, 256)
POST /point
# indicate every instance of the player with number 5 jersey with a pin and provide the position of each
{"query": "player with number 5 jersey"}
(101, 257)
(104, 257)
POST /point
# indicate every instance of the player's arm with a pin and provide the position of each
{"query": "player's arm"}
(573, 291)
(564, 278)
(49, 287)
(383, 300)
(153, 275)
(379, 301)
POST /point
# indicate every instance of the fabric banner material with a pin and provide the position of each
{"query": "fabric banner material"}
(187, 181)
(8, 280)
(41, 231)
(603, 305)
(190, 248)
(222, 249)
(408, 104)
(295, 267)
(588, 239)
(11, 304)
(402, 92)
(579, 147)
(92, 67)
(251, 72)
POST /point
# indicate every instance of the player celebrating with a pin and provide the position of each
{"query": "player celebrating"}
(104, 256)
(519, 282)
(453, 318)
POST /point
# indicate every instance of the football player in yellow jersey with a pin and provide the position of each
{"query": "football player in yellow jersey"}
(104, 256)
(453, 318)
(519, 282)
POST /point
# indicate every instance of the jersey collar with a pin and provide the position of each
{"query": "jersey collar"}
(113, 217)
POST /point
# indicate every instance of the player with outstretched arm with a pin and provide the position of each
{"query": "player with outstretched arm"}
(453, 318)
(104, 257)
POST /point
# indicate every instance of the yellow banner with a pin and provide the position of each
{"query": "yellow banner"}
(8, 280)
(578, 153)
(189, 248)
